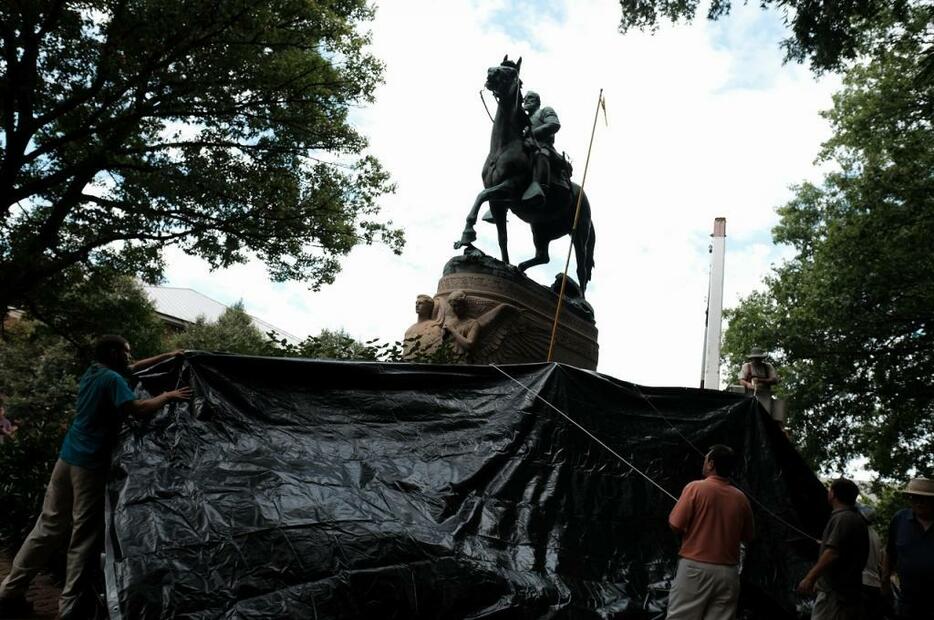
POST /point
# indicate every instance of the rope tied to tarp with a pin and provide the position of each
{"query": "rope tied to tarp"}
(588, 433)
(632, 466)
(745, 492)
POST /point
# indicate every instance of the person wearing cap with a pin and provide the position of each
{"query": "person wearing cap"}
(713, 518)
(837, 577)
(910, 553)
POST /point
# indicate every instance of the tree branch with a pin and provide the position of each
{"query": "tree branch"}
(21, 81)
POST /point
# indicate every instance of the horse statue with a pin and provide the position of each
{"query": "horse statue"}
(507, 173)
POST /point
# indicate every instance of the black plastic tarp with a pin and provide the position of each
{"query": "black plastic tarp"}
(310, 489)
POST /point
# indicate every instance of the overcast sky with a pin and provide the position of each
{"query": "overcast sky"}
(704, 121)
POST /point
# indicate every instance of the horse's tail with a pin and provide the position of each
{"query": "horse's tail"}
(587, 259)
(591, 245)
(584, 244)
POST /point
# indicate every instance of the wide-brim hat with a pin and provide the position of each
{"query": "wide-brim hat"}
(756, 353)
(920, 486)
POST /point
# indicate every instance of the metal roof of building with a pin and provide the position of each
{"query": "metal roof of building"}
(185, 305)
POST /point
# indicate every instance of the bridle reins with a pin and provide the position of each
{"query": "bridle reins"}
(515, 81)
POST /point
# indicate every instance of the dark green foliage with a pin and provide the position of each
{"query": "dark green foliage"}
(829, 33)
(235, 332)
(339, 345)
(886, 500)
(850, 318)
(218, 126)
(232, 332)
(81, 304)
(38, 374)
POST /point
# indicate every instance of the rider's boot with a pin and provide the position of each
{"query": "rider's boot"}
(534, 195)
(488, 217)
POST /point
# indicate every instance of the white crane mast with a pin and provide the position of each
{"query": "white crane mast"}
(710, 372)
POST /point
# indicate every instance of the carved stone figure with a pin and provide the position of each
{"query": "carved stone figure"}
(476, 340)
(462, 330)
(507, 173)
(424, 336)
(487, 312)
(516, 314)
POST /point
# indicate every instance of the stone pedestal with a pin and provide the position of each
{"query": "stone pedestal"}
(515, 314)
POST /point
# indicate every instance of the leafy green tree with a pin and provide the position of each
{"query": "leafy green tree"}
(81, 304)
(232, 332)
(219, 126)
(39, 377)
(339, 345)
(885, 500)
(850, 319)
(334, 344)
(827, 32)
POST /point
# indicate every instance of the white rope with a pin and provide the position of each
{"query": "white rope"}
(746, 493)
(588, 433)
(636, 469)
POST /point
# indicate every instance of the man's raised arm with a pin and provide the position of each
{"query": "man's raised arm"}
(155, 359)
(142, 408)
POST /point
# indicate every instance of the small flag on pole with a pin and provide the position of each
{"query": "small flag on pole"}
(603, 105)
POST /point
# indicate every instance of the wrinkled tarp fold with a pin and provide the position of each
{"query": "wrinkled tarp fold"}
(309, 489)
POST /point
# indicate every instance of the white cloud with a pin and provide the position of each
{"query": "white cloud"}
(683, 146)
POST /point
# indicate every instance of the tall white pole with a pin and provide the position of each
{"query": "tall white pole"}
(711, 378)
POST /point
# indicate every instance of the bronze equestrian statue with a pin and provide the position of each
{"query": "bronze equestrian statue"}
(547, 202)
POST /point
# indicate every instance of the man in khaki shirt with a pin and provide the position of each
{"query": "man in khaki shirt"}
(713, 517)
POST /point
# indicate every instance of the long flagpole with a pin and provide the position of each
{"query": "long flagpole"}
(577, 213)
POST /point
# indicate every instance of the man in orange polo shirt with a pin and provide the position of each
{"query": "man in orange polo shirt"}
(713, 516)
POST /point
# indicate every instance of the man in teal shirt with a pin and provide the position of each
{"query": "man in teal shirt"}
(74, 499)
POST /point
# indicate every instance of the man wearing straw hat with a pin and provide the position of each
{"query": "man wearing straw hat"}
(758, 377)
(910, 553)
(757, 374)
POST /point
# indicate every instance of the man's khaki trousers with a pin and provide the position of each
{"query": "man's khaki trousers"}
(830, 606)
(702, 591)
(74, 504)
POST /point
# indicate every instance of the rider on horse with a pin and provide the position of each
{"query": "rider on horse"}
(541, 141)
(549, 168)
(512, 165)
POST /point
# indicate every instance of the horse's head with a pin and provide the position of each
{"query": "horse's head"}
(504, 77)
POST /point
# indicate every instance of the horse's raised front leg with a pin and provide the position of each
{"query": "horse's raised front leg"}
(470, 235)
